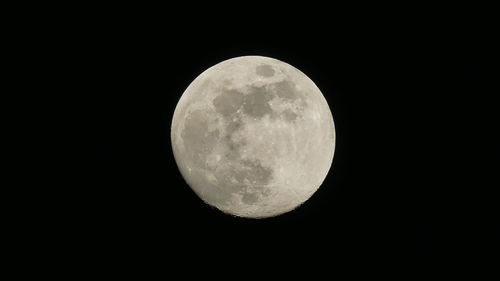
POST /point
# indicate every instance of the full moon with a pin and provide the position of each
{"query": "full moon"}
(253, 136)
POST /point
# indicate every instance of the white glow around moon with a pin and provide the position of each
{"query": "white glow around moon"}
(253, 136)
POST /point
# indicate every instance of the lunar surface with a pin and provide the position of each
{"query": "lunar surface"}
(253, 136)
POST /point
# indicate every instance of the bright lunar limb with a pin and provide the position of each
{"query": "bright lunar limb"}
(253, 136)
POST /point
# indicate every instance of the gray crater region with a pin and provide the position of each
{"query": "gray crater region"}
(253, 137)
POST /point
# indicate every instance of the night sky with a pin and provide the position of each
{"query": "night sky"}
(414, 150)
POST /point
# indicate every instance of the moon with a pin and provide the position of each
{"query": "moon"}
(253, 137)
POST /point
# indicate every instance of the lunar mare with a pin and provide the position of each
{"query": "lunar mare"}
(253, 136)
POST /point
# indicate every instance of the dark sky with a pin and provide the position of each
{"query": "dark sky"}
(413, 116)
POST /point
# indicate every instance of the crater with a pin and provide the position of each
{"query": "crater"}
(228, 102)
(233, 149)
(264, 70)
(289, 115)
(233, 125)
(286, 90)
(239, 176)
(256, 103)
(254, 172)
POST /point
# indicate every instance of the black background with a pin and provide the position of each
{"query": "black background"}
(413, 116)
